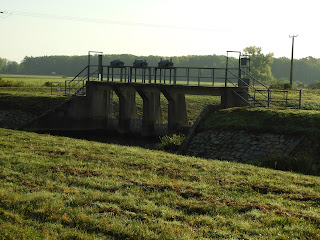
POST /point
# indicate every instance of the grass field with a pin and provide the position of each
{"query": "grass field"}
(62, 188)
(31, 80)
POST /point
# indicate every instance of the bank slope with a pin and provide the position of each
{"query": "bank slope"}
(63, 188)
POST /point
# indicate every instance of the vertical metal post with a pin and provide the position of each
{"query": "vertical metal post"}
(174, 76)
(150, 80)
(120, 74)
(300, 99)
(213, 77)
(188, 72)
(286, 94)
(226, 73)
(268, 97)
(112, 69)
(88, 67)
(291, 69)
(100, 68)
(239, 69)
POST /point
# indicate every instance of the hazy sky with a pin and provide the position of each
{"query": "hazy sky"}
(157, 27)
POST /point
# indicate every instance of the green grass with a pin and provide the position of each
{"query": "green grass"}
(62, 188)
(29, 99)
(301, 123)
(261, 119)
(31, 80)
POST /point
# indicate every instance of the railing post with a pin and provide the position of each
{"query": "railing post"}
(300, 99)
(112, 69)
(174, 76)
(268, 97)
(188, 75)
(213, 77)
(100, 72)
(226, 78)
(150, 80)
(88, 77)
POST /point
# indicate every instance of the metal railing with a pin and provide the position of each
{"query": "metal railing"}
(57, 87)
(258, 93)
(155, 75)
(282, 98)
(247, 87)
(77, 85)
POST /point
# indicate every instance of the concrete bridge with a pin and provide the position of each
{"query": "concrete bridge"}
(94, 110)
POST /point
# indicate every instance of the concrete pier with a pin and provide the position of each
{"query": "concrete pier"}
(95, 110)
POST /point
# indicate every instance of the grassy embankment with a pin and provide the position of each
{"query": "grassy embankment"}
(62, 188)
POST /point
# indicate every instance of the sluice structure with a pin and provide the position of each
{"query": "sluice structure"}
(94, 89)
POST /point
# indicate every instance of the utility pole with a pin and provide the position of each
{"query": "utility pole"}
(291, 69)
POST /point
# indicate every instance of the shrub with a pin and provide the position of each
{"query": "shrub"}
(47, 84)
(287, 86)
(280, 85)
(172, 142)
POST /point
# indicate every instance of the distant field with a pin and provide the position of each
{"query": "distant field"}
(33, 80)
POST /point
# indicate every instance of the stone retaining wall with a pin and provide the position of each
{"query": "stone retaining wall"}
(240, 146)
(14, 118)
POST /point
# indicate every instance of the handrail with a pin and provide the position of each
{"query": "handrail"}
(128, 77)
(246, 84)
(83, 79)
(249, 86)
(254, 78)
(78, 74)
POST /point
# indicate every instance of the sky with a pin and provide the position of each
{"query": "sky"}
(157, 27)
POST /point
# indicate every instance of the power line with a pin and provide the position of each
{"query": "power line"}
(107, 21)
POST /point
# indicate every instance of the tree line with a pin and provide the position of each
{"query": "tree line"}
(263, 66)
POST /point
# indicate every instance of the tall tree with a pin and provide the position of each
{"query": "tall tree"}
(260, 64)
